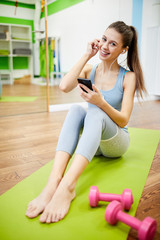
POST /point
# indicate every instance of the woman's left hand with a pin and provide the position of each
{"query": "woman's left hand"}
(94, 97)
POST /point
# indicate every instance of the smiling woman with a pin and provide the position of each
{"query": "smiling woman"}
(104, 125)
(108, 45)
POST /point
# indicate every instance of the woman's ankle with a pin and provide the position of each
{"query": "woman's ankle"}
(68, 183)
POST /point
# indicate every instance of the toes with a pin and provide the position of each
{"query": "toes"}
(34, 213)
(43, 217)
(30, 214)
(31, 204)
(62, 215)
(57, 217)
(30, 211)
(49, 218)
(30, 207)
(54, 218)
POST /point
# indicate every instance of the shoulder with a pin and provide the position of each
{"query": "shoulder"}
(129, 80)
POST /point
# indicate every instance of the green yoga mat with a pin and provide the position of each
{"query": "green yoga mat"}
(17, 99)
(82, 222)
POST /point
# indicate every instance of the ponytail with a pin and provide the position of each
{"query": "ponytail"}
(134, 65)
(129, 38)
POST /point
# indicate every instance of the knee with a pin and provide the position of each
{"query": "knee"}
(96, 114)
(77, 110)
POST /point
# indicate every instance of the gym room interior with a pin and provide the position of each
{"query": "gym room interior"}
(40, 41)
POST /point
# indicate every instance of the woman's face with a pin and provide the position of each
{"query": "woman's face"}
(110, 45)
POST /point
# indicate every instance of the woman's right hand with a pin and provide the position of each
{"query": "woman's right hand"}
(93, 48)
(69, 81)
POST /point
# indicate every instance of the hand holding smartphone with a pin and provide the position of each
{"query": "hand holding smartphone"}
(85, 82)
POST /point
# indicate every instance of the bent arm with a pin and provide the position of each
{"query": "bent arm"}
(69, 81)
(95, 97)
(80, 69)
(122, 117)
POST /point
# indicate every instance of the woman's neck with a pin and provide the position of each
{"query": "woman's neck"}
(104, 66)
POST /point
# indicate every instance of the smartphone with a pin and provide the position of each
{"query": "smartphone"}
(85, 82)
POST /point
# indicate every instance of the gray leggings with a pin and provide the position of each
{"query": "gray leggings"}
(100, 135)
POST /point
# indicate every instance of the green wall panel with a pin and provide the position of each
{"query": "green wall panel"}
(20, 63)
(4, 63)
(24, 5)
(59, 5)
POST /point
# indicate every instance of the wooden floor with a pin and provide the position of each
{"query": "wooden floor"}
(37, 106)
(28, 141)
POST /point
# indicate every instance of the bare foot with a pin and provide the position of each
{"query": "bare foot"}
(38, 205)
(59, 205)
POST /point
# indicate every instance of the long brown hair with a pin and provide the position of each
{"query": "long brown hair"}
(129, 38)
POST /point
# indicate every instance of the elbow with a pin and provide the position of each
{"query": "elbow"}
(123, 123)
(63, 88)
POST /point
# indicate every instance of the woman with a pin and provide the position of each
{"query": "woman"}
(104, 124)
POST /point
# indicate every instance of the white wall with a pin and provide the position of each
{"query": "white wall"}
(151, 18)
(82, 23)
(9, 11)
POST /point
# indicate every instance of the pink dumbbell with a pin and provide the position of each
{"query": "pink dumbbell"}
(125, 198)
(146, 228)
